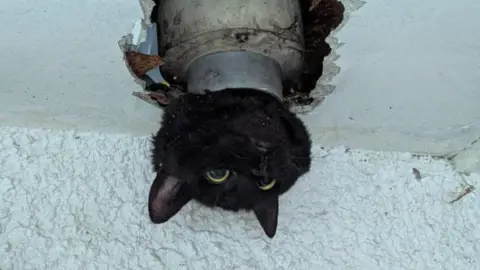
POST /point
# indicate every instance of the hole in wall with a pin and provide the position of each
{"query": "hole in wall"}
(322, 19)
(306, 102)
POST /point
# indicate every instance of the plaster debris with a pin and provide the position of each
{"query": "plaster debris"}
(141, 63)
(71, 200)
(417, 174)
(142, 41)
(466, 190)
(147, 7)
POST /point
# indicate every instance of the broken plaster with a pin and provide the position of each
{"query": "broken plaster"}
(330, 68)
(142, 38)
(147, 7)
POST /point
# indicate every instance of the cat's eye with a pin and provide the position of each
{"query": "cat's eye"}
(217, 176)
(268, 185)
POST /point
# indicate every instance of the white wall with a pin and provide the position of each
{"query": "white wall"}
(408, 81)
(87, 209)
(409, 78)
(61, 66)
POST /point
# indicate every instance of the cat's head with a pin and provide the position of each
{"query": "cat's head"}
(235, 149)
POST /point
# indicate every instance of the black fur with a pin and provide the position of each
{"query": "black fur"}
(246, 131)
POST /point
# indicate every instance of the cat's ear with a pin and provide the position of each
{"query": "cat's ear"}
(167, 196)
(267, 215)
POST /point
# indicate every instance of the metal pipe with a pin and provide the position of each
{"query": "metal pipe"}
(244, 43)
(235, 69)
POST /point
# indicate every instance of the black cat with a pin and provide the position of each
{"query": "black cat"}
(238, 149)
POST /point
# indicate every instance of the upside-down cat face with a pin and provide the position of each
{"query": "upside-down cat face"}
(235, 149)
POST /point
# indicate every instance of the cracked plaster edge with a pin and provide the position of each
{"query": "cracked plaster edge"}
(324, 87)
(330, 66)
(147, 7)
(126, 43)
(133, 41)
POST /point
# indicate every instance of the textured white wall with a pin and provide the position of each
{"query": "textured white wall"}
(78, 201)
